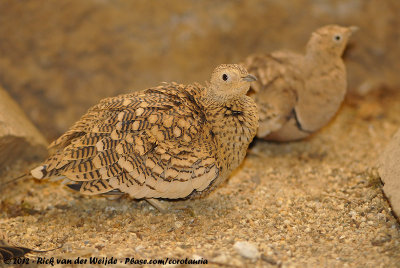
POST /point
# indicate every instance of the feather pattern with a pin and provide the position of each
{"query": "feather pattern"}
(169, 141)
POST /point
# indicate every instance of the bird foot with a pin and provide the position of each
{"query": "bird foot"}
(157, 204)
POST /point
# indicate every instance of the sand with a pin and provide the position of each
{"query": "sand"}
(316, 202)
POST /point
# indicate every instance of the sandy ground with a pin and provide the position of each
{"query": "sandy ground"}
(312, 203)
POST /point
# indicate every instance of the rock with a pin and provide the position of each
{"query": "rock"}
(246, 250)
(222, 259)
(389, 170)
(19, 138)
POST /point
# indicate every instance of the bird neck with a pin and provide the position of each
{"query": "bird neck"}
(320, 57)
(212, 98)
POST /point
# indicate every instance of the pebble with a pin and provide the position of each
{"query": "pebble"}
(110, 209)
(246, 250)
(178, 224)
(352, 213)
(221, 259)
(197, 257)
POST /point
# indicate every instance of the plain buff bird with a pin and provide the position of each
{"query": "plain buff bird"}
(299, 94)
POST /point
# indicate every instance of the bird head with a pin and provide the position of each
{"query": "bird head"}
(330, 39)
(229, 81)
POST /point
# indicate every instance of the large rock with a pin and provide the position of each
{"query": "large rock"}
(19, 138)
(389, 171)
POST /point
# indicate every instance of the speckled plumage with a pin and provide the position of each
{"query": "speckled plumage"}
(298, 94)
(170, 141)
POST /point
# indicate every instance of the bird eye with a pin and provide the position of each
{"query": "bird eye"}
(337, 38)
(224, 77)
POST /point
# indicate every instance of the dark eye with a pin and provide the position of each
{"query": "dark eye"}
(224, 77)
(337, 38)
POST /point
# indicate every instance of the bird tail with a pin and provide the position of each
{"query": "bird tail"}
(40, 172)
(50, 167)
(26, 174)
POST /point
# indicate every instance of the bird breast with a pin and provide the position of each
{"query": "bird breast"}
(233, 126)
(324, 91)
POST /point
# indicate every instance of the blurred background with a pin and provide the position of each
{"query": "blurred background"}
(57, 58)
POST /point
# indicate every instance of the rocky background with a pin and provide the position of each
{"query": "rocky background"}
(57, 58)
(316, 202)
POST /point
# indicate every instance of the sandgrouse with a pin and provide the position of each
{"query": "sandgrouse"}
(298, 94)
(171, 141)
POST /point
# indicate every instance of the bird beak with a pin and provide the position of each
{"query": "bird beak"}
(353, 29)
(249, 78)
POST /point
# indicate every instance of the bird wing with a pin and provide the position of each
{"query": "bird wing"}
(149, 144)
(83, 125)
(275, 91)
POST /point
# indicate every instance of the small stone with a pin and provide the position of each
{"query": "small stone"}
(268, 259)
(138, 248)
(178, 224)
(197, 257)
(246, 250)
(110, 209)
(99, 246)
(223, 259)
